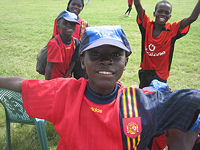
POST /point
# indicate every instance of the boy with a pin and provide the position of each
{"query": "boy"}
(130, 3)
(75, 6)
(158, 39)
(102, 114)
(62, 47)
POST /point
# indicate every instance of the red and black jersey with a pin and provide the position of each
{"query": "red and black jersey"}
(78, 33)
(130, 2)
(126, 119)
(157, 52)
(60, 54)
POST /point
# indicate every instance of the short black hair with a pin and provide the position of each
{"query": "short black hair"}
(71, 1)
(163, 2)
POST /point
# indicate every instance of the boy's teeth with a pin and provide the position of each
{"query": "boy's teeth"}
(162, 19)
(104, 72)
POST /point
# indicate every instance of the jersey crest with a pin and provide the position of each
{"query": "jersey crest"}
(132, 127)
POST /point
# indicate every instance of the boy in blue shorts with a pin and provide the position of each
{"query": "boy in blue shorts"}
(102, 114)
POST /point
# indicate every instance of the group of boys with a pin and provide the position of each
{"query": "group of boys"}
(102, 113)
(62, 49)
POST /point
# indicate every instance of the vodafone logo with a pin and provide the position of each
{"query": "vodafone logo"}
(150, 50)
(152, 47)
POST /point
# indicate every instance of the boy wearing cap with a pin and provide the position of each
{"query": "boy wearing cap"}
(102, 114)
(62, 47)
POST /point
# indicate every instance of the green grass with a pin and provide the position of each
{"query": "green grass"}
(26, 26)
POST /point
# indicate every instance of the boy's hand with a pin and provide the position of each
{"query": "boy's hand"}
(193, 17)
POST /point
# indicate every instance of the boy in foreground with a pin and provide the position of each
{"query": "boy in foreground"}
(102, 114)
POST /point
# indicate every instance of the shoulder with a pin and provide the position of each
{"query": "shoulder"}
(83, 22)
(58, 83)
(144, 18)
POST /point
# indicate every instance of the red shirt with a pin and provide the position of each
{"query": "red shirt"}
(85, 120)
(59, 54)
(52, 100)
(157, 52)
(78, 33)
(130, 2)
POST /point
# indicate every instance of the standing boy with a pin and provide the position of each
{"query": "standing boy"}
(130, 4)
(74, 6)
(102, 114)
(63, 48)
(158, 39)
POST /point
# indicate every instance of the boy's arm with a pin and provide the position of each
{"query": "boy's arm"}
(69, 70)
(192, 17)
(11, 83)
(138, 8)
(48, 71)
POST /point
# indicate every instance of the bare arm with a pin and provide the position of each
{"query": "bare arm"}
(11, 83)
(48, 71)
(192, 17)
(69, 70)
(138, 8)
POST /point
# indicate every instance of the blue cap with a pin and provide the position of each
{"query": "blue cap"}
(104, 35)
(69, 16)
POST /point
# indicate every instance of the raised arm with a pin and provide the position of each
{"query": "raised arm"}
(192, 17)
(11, 83)
(138, 8)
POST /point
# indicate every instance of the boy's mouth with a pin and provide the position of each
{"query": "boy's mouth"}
(162, 19)
(76, 11)
(105, 72)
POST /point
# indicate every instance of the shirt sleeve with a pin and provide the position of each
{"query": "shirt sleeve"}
(181, 31)
(50, 99)
(144, 20)
(176, 110)
(55, 29)
(53, 52)
(75, 56)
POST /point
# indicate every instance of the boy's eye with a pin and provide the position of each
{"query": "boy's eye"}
(77, 5)
(167, 12)
(94, 54)
(115, 54)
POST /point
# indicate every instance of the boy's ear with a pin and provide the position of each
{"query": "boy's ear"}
(126, 61)
(82, 62)
(170, 16)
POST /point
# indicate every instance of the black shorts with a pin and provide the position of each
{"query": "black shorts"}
(146, 76)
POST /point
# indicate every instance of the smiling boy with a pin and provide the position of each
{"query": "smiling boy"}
(158, 39)
(102, 114)
(63, 48)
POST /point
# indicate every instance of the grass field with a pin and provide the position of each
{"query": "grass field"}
(26, 26)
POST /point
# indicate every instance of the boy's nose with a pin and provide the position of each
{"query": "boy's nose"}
(106, 60)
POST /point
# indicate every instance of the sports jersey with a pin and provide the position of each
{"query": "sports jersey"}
(78, 33)
(126, 119)
(157, 52)
(130, 2)
(60, 54)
